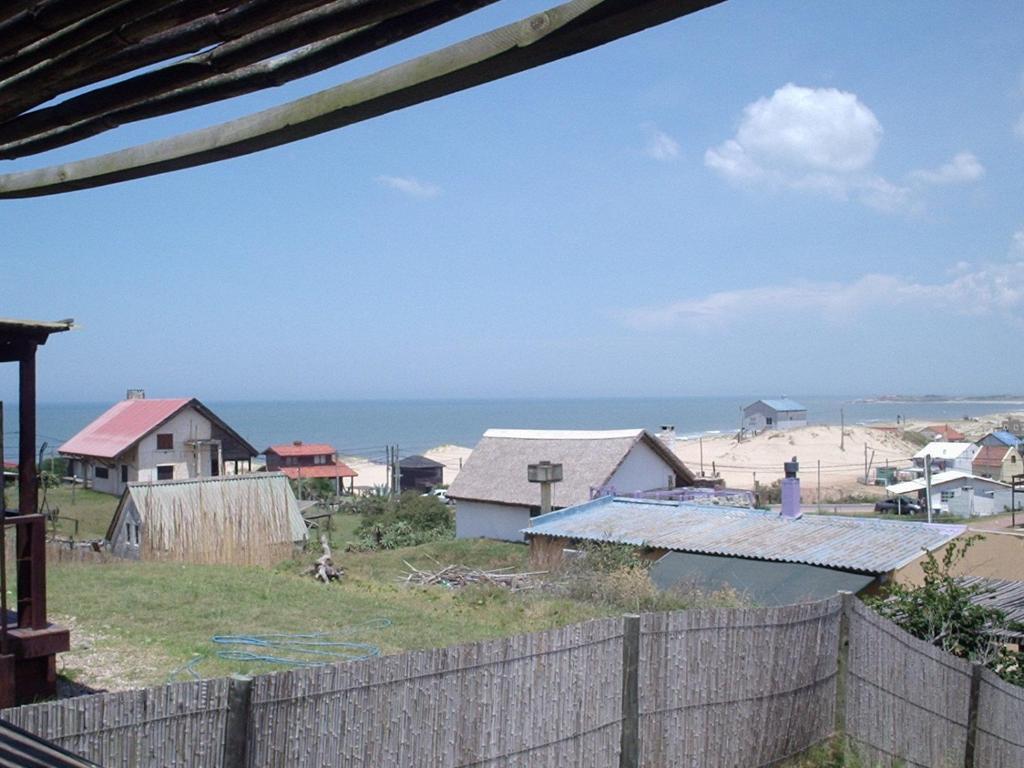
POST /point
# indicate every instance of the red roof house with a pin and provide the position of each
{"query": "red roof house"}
(142, 440)
(307, 461)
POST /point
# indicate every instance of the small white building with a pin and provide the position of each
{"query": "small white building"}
(494, 499)
(140, 440)
(782, 413)
(959, 493)
(947, 456)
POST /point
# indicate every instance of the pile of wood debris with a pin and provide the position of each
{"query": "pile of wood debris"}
(324, 569)
(457, 576)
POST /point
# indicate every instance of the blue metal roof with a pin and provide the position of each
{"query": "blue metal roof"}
(1006, 438)
(783, 404)
(851, 543)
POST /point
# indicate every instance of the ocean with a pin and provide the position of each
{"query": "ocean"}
(365, 427)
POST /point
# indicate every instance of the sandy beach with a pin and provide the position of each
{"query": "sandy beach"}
(761, 457)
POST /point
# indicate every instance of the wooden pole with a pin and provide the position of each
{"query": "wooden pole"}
(818, 497)
(928, 485)
(972, 715)
(701, 441)
(842, 430)
(3, 545)
(28, 490)
(629, 753)
(236, 724)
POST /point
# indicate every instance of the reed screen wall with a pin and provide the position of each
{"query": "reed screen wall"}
(737, 688)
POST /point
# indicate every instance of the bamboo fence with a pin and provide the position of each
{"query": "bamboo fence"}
(181, 724)
(746, 687)
(906, 700)
(1000, 740)
(719, 688)
(546, 699)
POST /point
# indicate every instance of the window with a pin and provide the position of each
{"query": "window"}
(124, 473)
(102, 473)
(768, 421)
(165, 472)
(319, 459)
(132, 533)
(947, 495)
(165, 442)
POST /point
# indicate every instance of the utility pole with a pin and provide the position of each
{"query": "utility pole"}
(928, 485)
(701, 441)
(396, 479)
(818, 496)
(865, 463)
(842, 430)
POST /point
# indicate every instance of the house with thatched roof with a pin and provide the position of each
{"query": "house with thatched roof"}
(240, 519)
(495, 500)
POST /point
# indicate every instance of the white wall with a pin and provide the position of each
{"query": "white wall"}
(186, 425)
(642, 470)
(480, 519)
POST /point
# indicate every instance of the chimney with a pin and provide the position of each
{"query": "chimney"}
(791, 491)
(667, 435)
(135, 394)
(296, 443)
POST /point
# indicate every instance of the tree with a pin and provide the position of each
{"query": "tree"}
(946, 613)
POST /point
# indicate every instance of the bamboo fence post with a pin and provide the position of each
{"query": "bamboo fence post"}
(629, 754)
(972, 715)
(236, 725)
(843, 661)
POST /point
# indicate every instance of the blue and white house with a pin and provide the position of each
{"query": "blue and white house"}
(782, 413)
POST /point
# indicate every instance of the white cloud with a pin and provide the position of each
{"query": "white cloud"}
(1017, 244)
(978, 290)
(798, 134)
(824, 140)
(962, 168)
(660, 146)
(410, 186)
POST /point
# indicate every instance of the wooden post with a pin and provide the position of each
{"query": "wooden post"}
(236, 725)
(843, 662)
(3, 572)
(28, 489)
(629, 752)
(972, 715)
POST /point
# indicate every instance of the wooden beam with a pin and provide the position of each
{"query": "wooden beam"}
(39, 19)
(223, 72)
(28, 487)
(148, 40)
(562, 31)
(92, 27)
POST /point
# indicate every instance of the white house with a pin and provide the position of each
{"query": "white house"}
(959, 493)
(140, 440)
(774, 414)
(494, 499)
(947, 456)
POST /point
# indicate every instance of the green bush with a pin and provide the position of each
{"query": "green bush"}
(407, 521)
(944, 612)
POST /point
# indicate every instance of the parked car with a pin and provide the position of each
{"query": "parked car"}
(899, 505)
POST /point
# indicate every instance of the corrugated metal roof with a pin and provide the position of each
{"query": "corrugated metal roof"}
(938, 479)
(944, 450)
(851, 543)
(1007, 596)
(781, 404)
(1006, 438)
(339, 469)
(946, 432)
(18, 747)
(121, 426)
(419, 462)
(302, 449)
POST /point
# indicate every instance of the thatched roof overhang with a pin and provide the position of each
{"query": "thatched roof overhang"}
(51, 48)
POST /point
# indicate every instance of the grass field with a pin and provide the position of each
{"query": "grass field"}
(93, 511)
(135, 623)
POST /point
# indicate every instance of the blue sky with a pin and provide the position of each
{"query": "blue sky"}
(780, 197)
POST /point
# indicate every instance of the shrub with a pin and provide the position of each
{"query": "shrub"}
(407, 521)
(943, 611)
